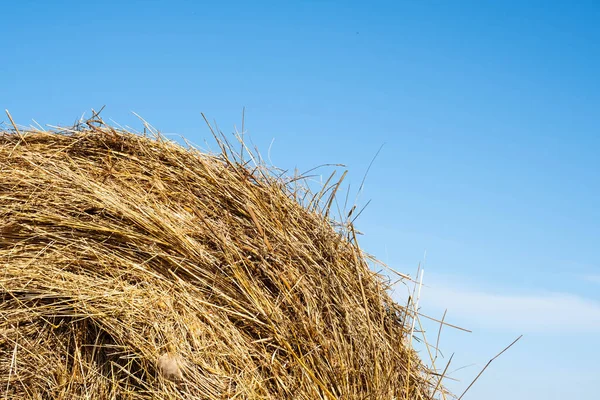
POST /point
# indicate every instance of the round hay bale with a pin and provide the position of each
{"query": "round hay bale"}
(134, 268)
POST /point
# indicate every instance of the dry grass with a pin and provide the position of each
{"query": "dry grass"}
(134, 268)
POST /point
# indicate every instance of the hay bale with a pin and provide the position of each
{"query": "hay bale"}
(134, 268)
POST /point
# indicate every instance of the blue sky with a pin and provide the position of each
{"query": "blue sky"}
(489, 115)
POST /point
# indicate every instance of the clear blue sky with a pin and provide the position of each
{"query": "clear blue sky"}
(489, 111)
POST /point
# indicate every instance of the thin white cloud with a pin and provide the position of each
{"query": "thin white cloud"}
(592, 278)
(522, 313)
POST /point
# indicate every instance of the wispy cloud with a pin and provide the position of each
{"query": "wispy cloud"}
(523, 313)
(592, 278)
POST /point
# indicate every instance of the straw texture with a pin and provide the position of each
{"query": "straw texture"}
(134, 268)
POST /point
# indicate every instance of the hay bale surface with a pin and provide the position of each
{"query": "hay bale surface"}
(134, 268)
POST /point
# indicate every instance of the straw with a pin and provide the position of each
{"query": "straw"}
(134, 268)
